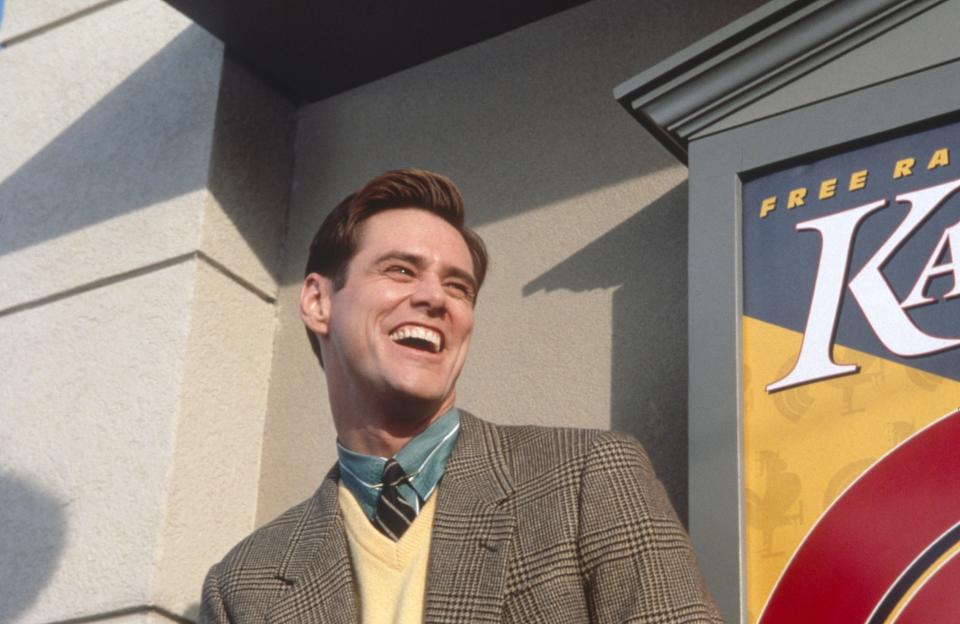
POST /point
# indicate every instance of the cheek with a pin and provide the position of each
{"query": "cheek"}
(465, 329)
(353, 332)
(466, 322)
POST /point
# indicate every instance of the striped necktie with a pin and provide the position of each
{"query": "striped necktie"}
(394, 514)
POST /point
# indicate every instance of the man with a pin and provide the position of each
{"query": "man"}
(431, 514)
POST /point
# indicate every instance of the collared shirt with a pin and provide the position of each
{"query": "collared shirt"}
(424, 458)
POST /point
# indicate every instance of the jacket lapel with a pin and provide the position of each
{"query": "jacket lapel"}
(472, 530)
(316, 565)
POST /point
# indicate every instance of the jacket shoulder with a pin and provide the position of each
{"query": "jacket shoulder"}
(247, 580)
(256, 568)
(533, 450)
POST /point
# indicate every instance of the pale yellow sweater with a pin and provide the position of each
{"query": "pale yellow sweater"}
(391, 576)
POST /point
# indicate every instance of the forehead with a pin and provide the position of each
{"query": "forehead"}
(415, 231)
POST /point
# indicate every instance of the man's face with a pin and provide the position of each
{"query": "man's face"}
(400, 326)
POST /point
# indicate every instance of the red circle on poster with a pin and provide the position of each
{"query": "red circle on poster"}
(861, 556)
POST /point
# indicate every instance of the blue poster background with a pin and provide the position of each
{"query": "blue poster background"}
(780, 262)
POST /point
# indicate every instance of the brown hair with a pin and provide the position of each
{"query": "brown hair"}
(336, 242)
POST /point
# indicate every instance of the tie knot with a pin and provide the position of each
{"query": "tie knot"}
(393, 473)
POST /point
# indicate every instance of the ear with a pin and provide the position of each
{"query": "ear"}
(315, 303)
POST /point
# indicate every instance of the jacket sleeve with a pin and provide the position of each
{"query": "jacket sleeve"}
(637, 561)
(212, 609)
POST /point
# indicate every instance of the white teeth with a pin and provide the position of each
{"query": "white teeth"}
(420, 333)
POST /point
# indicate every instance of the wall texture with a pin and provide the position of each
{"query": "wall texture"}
(137, 283)
(582, 320)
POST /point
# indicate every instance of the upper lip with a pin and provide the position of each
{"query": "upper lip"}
(443, 338)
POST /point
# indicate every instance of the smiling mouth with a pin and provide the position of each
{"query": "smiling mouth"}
(417, 337)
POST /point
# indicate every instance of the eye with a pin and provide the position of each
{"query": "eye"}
(400, 270)
(460, 290)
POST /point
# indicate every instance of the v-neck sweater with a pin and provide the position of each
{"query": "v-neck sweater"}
(391, 576)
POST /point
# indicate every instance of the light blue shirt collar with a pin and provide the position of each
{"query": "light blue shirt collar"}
(424, 459)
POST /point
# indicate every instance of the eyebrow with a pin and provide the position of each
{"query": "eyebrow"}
(419, 262)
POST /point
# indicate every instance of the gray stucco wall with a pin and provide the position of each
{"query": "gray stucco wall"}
(136, 309)
(85, 398)
(582, 320)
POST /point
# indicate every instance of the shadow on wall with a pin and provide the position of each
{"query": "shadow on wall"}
(134, 148)
(137, 146)
(520, 122)
(252, 163)
(192, 612)
(33, 529)
(645, 258)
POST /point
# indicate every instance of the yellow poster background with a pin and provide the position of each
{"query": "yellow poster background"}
(803, 446)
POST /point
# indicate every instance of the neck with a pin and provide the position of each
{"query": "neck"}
(384, 431)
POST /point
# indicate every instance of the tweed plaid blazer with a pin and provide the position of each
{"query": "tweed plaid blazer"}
(532, 524)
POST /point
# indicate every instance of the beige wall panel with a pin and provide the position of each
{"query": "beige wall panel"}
(212, 489)
(298, 436)
(582, 321)
(250, 177)
(107, 124)
(88, 424)
(544, 350)
(138, 617)
(24, 16)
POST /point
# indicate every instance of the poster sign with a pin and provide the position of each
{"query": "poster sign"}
(851, 385)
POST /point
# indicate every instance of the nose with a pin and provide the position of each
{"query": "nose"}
(429, 293)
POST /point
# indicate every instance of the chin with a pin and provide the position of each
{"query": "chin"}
(423, 393)
(420, 396)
